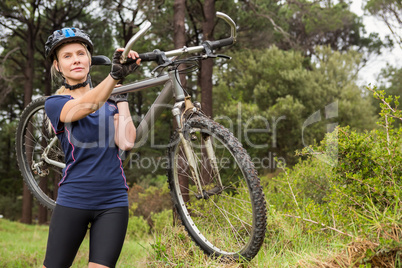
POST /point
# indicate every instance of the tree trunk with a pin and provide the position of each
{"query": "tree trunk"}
(28, 85)
(207, 65)
(179, 37)
(206, 83)
(179, 41)
(43, 211)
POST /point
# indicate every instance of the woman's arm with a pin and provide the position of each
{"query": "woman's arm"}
(125, 131)
(92, 100)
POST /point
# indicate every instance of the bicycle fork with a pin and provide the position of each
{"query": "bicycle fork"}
(192, 159)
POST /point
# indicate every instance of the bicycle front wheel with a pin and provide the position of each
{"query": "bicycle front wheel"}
(33, 136)
(224, 210)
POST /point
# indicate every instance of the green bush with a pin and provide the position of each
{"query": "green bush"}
(145, 201)
(350, 184)
(137, 228)
(352, 174)
(162, 220)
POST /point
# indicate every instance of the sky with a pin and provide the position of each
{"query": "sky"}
(370, 72)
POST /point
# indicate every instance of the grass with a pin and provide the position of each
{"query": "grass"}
(25, 246)
(286, 245)
(21, 245)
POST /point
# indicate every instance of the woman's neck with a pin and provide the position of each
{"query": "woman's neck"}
(77, 93)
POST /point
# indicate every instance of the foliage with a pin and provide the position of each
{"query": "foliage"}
(10, 207)
(286, 106)
(304, 25)
(162, 220)
(390, 82)
(352, 189)
(137, 228)
(145, 202)
(389, 12)
(333, 25)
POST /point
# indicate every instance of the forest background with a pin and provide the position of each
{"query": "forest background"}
(292, 81)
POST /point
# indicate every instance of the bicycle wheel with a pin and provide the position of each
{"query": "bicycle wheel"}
(32, 137)
(228, 220)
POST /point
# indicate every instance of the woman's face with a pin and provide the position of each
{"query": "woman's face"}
(73, 62)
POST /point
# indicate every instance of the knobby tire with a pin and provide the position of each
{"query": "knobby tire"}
(230, 221)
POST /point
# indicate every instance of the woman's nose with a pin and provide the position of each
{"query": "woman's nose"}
(76, 58)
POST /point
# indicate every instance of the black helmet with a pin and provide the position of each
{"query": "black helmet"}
(66, 35)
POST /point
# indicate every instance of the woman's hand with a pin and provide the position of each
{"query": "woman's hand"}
(119, 98)
(119, 71)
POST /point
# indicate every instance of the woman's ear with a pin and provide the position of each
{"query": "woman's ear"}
(56, 65)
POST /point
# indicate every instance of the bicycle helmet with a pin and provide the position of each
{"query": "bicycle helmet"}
(63, 36)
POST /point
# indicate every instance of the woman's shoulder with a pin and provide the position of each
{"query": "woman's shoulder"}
(56, 101)
(59, 97)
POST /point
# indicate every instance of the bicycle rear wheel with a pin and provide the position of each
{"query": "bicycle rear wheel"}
(227, 218)
(32, 137)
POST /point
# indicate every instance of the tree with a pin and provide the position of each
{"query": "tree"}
(23, 20)
(391, 79)
(388, 11)
(277, 106)
(303, 25)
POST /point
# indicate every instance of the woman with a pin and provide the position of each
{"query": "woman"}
(91, 128)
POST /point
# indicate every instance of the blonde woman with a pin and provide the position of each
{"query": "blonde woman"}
(92, 128)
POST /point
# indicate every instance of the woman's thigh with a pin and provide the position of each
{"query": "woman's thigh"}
(67, 229)
(107, 234)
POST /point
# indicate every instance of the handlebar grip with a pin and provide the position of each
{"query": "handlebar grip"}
(222, 43)
(148, 56)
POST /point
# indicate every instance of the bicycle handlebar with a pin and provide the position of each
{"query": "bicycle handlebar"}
(154, 56)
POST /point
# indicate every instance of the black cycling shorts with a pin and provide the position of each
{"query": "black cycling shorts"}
(69, 226)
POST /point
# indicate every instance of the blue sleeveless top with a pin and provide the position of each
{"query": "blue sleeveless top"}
(93, 177)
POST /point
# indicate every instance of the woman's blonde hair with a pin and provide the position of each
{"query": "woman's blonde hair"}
(57, 77)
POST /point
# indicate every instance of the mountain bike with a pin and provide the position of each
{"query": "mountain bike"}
(214, 186)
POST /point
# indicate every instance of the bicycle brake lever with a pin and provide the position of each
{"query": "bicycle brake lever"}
(163, 61)
(210, 54)
(224, 56)
(162, 66)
